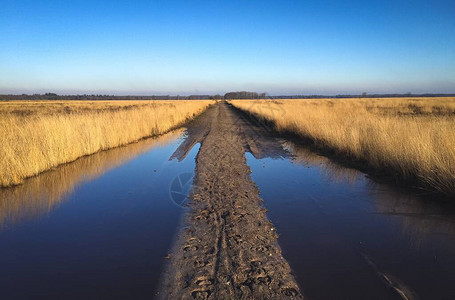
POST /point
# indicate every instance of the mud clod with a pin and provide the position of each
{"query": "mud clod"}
(289, 292)
(190, 248)
(200, 295)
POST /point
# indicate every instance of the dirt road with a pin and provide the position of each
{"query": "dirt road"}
(228, 248)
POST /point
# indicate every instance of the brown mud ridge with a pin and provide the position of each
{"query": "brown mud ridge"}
(228, 248)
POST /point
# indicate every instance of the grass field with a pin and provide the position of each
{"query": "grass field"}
(36, 136)
(411, 137)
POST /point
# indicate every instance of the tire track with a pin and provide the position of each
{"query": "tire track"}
(228, 248)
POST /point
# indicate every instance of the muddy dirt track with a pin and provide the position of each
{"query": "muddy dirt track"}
(228, 248)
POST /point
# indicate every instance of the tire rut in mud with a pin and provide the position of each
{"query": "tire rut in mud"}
(228, 248)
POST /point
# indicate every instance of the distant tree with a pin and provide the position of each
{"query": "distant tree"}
(51, 96)
(241, 95)
(215, 97)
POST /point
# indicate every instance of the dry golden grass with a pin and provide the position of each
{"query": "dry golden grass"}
(36, 136)
(413, 137)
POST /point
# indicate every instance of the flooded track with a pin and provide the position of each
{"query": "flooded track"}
(348, 237)
(228, 249)
(118, 225)
(97, 228)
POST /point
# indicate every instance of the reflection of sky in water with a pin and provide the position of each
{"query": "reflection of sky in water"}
(99, 227)
(332, 220)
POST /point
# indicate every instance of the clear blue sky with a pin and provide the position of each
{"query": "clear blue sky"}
(187, 47)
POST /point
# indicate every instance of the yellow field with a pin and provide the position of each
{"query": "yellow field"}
(413, 137)
(36, 136)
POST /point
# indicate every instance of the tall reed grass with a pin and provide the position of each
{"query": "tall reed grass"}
(413, 137)
(40, 135)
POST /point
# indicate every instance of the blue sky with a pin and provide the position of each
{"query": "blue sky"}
(188, 47)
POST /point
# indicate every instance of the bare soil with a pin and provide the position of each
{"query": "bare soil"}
(228, 248)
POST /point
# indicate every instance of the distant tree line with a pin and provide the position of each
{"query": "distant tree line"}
(244, 95)
(364, 95)
(230, 95)
(53, 96)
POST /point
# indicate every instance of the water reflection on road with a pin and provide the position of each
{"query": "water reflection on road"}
(347, 237)
(99, 227)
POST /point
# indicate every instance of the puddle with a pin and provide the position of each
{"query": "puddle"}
(347, 237)
(99, 227)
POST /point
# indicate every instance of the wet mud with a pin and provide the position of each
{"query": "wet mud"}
(228, 247)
